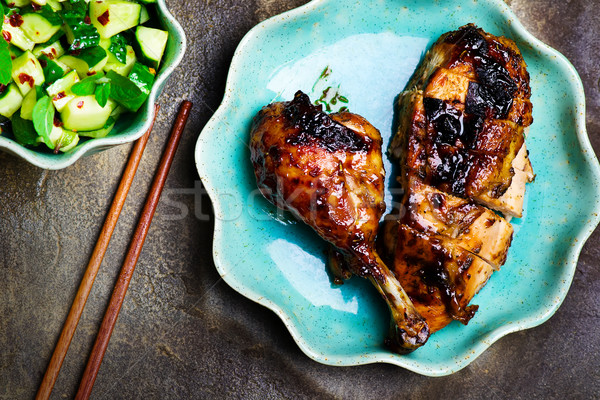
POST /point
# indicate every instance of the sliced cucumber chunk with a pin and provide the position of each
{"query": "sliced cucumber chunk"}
(83, 113)
(60, 91)
(52, 51)
(20, 3)
(152, 43)
(27, 72)
(110, 17)
(53, 69)
(55, 4)
(102, 132)
(16, 36)
(143, 77)
(122, 69)
(29, 102)
(87, 62)
(10, 100)
(38, 28)
(61, 139)
(67, 141)
(14, 52)
(144, 16)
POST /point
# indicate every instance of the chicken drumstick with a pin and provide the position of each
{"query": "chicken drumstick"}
(327, 170)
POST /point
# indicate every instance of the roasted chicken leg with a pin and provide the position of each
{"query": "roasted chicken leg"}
(327, 170)
(460, 145)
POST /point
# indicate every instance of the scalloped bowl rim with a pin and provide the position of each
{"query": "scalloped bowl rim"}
(387, 357)
(131, 133)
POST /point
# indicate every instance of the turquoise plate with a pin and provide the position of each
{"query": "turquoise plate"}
(129, 127)
(365, 52)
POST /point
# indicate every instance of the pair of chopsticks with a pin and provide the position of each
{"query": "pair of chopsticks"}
(135, 249)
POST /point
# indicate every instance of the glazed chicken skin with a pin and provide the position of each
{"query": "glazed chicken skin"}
(327, 170)
(460, 145)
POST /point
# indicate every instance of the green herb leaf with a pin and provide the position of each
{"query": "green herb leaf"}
(52, 71)
(45, 11)
(23, 131)
(43, 119)
(84, 36)
(74, 10)
(5, 63)
(102, 93)
(87, 86)
(118, 46)
(125, 92)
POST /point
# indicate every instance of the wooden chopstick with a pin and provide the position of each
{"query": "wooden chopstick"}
(66, 335)
(118, 295)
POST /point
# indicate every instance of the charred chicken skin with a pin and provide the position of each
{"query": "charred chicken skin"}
(460, 145)
(327, 170)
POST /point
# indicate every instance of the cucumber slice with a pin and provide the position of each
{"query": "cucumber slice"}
(14, 52)
(27, 72)
(20, 3)
(55, 4)
(60, 91)
(143, 77)
(29, 102)
(83, 113)
(122, 69)
(38, 28)
(144, 16)
(68, 140)
(113, 16)
(53, 69)
(87, 62)
(15, 36)
(52, 51)
(102, 132)
(152, 43)
(10, 100)
(61, 139)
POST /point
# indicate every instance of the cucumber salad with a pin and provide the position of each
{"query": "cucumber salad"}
(70, 68)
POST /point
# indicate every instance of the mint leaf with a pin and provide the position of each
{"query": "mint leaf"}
(5, 63)
(125, 92)
(118, 46)
(43, 119)
(24, 131)
(102, 93)
(87, 86)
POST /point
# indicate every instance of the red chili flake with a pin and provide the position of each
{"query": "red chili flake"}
(15, 20)
(75, 53)
(103, 19)
(23, 77)
(57, 122)
(11, 5)
(91, 73)
(53, 50)
(80, 104)
(36, 7)
(7, 36)
(2, 88)
(59, 96)
(152, 71)
(43, 63)
(87, 20)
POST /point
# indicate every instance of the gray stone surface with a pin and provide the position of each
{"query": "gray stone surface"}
(182, 332)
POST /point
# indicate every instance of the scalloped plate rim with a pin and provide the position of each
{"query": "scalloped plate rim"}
(488, 339)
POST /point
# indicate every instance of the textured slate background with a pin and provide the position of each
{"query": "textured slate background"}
(182, 332)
